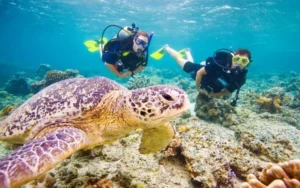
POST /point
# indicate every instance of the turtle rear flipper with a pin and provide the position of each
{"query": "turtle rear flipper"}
(38, 156)
(155, 139)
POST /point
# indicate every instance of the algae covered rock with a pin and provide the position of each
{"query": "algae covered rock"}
(121, 165)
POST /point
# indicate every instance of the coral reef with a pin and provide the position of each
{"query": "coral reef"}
(37, 86)
(174, 148)
(219, 157)
(271, 101)
(45, 181)
(55, 76)
(7, 99)
(122, 164)
(184, 83)
(9, 69)
(4, 95)
(72, 73)
(295, 86)
(295, 104)
(223, 146)
(216, 110)
(17, 85)
(214, 158)
(270, 104)
(164, 73)
(102, 183)
(282, 175)
(41, 71)
(139, 81)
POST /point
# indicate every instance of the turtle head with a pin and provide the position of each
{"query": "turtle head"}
(158, 104)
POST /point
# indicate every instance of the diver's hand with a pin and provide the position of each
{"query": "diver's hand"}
(126, 74)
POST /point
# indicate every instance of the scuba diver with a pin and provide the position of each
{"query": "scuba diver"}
(126, 54)
(219, 75)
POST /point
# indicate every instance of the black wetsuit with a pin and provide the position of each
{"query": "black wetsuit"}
(119, 53)
(217, 77)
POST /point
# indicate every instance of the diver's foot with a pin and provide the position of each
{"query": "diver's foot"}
(165, 47)
(187, 52)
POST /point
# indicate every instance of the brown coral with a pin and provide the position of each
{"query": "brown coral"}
(183, 129)
(53, 76)
(102, 183)
(283, 175)
(271, 104)
(174, 147)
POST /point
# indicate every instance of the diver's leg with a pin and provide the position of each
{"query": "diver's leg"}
(175, 55)
(189, 55)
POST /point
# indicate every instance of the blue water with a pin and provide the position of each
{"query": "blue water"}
(53, 31)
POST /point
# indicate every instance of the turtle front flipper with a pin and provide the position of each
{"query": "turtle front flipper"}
(38, 156)
(155, 139)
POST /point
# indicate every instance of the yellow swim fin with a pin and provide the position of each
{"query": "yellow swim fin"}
(93, 45)
(158, 54)
(182, 52)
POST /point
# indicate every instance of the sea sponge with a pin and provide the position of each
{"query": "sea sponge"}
(282, 175)
(271, 104)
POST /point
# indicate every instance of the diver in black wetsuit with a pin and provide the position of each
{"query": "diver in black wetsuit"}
(220, 74)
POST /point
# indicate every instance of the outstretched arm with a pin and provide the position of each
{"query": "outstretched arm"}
(39, 156)
(116, 72)
(139, 69)
(220, 94)
(200, 73)
(129, 73)
(113, 69)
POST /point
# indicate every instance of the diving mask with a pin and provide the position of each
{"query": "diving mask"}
(138, 41)
(240, 60)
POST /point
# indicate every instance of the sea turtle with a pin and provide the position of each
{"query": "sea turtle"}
(81, 113)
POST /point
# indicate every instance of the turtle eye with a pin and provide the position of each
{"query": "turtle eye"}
(167, 97)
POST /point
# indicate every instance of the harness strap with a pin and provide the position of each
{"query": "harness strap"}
(233, 103)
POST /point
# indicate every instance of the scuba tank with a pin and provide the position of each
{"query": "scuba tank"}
(127, 31)
(123, 33)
